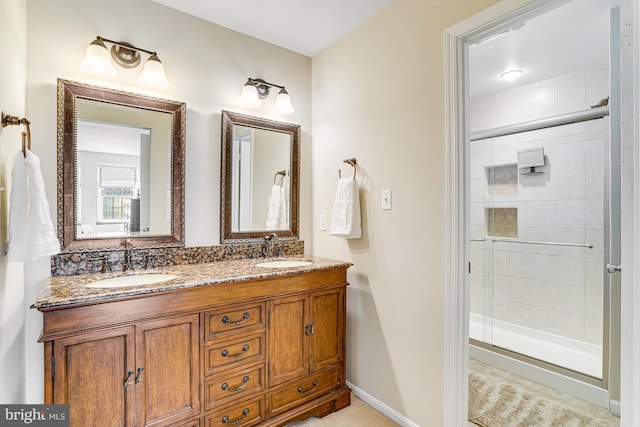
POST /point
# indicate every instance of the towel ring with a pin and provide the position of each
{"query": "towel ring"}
(353, 162)
(9, 120)
(282, 174)
(26, 144)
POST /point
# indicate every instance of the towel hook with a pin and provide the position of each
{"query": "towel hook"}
(9, 120)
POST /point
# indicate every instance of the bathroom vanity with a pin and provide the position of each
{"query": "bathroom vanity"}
(221, 344)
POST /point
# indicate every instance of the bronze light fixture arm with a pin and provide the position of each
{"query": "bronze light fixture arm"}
(126, 45)
(263, 86)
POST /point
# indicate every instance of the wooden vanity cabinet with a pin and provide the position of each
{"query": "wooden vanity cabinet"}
(130, 376)
(168, 389)
(256, 352)
(89, 374)
(305, 334)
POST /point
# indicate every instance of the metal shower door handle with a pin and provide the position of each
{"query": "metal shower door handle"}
(613, 268)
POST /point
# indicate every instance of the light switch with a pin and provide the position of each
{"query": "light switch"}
(386, 199)
(323, 222)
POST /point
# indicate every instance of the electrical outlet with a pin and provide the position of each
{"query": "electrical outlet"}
(386, 200)
(323, 222)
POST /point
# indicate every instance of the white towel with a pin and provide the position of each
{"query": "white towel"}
(345, 219)
(31, 233)
(18, 220)
(277, 218)
(283, 219)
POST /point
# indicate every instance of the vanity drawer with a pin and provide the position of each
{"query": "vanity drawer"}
(290, 395)
(226, 388)
(245, 414)
(229, 320)
(219, 356)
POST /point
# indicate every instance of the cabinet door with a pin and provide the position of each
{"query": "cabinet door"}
(288, 344)
(327, 337)
(167, 370)
(90, 374)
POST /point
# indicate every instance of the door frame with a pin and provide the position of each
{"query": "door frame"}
(456, 351)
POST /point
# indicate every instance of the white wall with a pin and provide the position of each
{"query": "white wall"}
(12, 294)
(206, 66)
(378, 95)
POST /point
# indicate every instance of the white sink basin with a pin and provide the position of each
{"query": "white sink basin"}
(132, 280)
(283, 263)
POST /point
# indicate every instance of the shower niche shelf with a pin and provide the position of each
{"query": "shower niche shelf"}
(501, 180)
(501, 222)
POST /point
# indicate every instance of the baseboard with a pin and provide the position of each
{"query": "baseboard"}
(614, 407)
(390, 413)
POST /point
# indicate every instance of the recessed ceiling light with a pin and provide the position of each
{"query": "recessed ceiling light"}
(510, 75)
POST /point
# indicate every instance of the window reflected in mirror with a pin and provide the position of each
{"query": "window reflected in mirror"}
(120, 168)
(119, 193)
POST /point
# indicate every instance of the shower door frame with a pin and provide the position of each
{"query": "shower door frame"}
(546, 123)
(457, 249)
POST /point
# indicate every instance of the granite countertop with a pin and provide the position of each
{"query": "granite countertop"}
(69, 290)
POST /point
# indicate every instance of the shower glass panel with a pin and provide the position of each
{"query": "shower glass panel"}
(538, 242)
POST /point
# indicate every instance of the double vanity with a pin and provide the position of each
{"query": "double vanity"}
(230, 343)
(245, 333)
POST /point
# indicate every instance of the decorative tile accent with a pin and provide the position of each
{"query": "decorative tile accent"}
(502, 222)
(69, 264)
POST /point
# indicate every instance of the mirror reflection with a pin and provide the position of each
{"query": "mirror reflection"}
(119, 193)
(120, 168)
(260, 172)
(260, 156)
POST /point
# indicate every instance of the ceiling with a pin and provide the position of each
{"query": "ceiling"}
(100, 137)
(569, 37)
(303, 26)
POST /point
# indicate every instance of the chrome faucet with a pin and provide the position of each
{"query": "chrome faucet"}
(127, 263)
(266, 249)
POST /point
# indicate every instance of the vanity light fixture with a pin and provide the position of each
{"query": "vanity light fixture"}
(98, 61)
(510, 75)
(256, 89)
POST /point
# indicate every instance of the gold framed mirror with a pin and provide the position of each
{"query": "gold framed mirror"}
(121, 162)
(260, 175)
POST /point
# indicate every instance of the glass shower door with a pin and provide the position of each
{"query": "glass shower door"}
(538, 227)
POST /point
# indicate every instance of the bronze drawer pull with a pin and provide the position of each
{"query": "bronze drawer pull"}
(311, 390)
(225, 419)
(225, 352)
(225, 386)
(126, 380)
(226, 321)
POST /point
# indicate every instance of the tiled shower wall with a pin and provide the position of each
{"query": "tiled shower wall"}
(555, 289)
